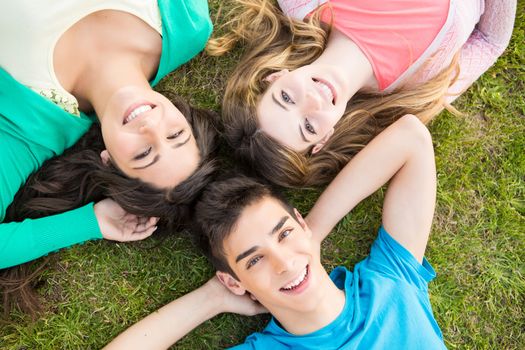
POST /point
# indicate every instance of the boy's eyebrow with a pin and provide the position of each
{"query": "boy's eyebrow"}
(254, 248)
(279, 225)
(246, 253)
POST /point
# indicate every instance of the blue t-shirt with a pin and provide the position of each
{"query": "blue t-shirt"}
(387, 307)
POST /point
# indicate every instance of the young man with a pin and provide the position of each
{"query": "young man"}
(264, 250)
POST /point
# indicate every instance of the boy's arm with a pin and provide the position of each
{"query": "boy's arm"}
(164, 327)
(402, 151)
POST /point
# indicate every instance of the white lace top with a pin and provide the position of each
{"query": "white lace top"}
(29, 31)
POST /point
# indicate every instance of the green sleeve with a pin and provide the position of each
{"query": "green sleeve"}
(27, 240)
(186, 27)
(33, 130)
(32, 238)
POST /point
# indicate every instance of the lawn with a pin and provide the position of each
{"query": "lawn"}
(92, 292)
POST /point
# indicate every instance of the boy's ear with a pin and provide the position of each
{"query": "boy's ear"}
(300, 218)
(319, 145)
(104, 155)
(270, 78)
(231, 283)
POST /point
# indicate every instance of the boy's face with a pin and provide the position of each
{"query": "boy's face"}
(274, 257)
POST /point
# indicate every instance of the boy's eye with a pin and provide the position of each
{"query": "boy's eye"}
(175, 135)
(253, 261)
(309, 127)
(143, 154)
(286, 98)
(284, 234)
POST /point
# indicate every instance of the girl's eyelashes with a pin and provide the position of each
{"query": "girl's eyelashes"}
(175, 135)
(309, 127)
(148, 151)
(286, 98)
(143, 154)
(253, 261)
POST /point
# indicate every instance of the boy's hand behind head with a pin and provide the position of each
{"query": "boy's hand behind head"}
(239, 304)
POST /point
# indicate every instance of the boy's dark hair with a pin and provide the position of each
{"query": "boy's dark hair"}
(219, 209)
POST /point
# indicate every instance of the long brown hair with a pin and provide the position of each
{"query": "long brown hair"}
(274, 42)
(79, 176)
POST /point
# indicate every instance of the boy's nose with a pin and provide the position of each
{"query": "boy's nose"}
(281, 263)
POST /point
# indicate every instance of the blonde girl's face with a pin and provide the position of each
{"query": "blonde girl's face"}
(301, 107)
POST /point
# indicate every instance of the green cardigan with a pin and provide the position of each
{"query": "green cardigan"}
(33, 129)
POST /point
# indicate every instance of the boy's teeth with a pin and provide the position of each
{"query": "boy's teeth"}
(297, 281)
(137, 111)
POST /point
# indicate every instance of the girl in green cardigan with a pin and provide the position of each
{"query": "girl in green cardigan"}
(67, 64)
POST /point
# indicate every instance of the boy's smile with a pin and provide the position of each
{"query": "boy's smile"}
(275, 258)
(299, 284)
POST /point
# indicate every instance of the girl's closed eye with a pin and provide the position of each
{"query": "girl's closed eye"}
(143, 154)
(253, 261)
(175, 135)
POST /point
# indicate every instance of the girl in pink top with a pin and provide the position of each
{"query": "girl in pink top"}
(321, 78)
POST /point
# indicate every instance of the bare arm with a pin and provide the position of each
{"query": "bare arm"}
(166, 326)
(402, 152)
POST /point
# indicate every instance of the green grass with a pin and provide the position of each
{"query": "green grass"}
(94, 291)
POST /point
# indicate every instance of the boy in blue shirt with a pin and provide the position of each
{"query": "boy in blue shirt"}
(266, 254)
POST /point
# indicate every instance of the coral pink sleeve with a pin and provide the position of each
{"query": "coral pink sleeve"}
(480, 40)
(486, 43)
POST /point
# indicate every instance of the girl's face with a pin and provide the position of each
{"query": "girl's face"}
(148, 138)
(300, 108)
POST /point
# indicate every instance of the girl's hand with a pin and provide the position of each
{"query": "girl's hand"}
(118, 225)
(229, 302)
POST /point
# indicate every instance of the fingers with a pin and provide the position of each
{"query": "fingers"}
(137, 236)
(145, 224)
(139, 224)
(137, 228)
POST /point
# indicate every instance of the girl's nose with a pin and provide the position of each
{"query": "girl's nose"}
(311, 102)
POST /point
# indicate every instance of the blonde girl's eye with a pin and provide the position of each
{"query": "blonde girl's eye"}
(286, 98)
(143, 154)
(309, 127)
(253, 261)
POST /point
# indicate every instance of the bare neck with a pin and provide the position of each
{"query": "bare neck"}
(104, 51)
(343, 54)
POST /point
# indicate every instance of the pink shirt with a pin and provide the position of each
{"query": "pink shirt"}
(395, 35)
(392, 34)
(479, 30)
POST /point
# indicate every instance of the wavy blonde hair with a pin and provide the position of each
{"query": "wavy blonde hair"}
(274, 42)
